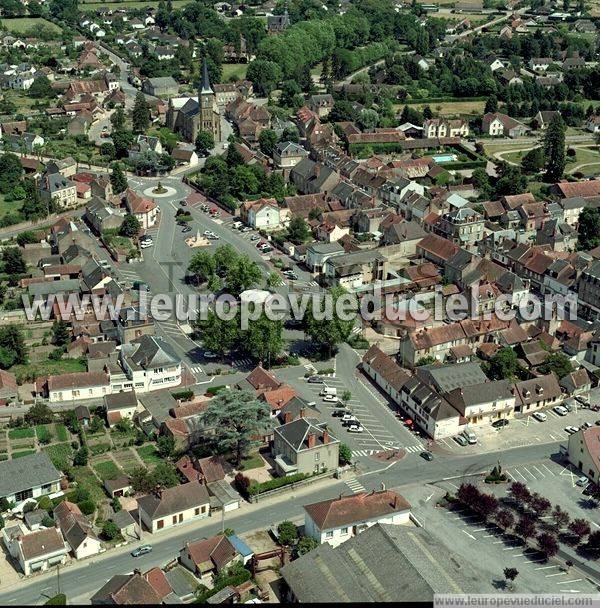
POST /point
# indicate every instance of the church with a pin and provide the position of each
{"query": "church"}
(189, 115)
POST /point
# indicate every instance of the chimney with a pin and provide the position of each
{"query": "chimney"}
(287, 417)
(317, 170)
(302, 413)
(325, 436)
(312, 440)
(382, 486)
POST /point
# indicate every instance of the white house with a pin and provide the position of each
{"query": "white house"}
(77, 531)
(144, 209)
(151, 364)
(165, 508)
(339, 519)
(540, 64)
(31, 476)
(76, 386)
(35, 552)
(263, 213)
(592, 124)
(392, 192)
(484, 403)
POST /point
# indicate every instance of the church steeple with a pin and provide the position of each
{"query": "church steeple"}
(205, 82)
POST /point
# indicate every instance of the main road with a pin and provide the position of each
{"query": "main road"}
(83, 579)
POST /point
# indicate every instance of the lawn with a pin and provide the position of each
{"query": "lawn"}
(62, 434)
(149, 454)
(22, 25)
(60, 454)
(449, 108)
(107, 469)
(127, 460)
(236, 70)
(21, 433)
(49, 368)
(7, 207)
(44, 434)
(86, 479)
(23, 453)
(253, 461)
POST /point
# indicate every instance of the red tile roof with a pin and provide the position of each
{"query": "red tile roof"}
(347, 510)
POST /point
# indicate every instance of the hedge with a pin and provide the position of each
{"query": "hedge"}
(232, 581)
(414, 100)
(57, 600)
(279, 482)
(213, 390)
(187, 395)
(377, 148)
(469, 164)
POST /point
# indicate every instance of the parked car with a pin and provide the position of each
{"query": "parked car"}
(585, 425)
(315, 380)
(330, 398)
(560, 410)
(183, 203)
(104, 264)
(540, 416)
(348, 419)
(267, 249)
(208, 354)
(237, 225)
(498, 424)
(590, 489)
(582, 481)
(569, 405)
(461, 440)
(208, 232)
(355, 428)
(597, 423)
(427, 456)
(146, 244)
(338, 413)
(143, 550)
(246, 228)
(583, 400)
(571, 429)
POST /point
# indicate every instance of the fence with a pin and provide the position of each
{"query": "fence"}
(292, 486)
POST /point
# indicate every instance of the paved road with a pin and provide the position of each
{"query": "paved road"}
(80, 581)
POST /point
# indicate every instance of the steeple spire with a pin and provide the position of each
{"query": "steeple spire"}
(205, 82)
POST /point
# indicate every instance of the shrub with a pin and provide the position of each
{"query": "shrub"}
(187, 395)
(57, 600)
(87, 507)
(256, 488)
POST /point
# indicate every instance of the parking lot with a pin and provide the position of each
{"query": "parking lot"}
(524, 431)
(491, 551)
(382, 431)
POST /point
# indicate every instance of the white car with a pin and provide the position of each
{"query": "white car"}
(208, 232)
(571, 429)
(104, 264)
(560, 410)
(208, 354)
(146, 244)
(349, 419)
(540, 416)
(355, 428)
(330, 398)
(246, 228)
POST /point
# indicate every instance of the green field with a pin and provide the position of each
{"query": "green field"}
(21, 25)
(107, 469)
(62, 434)
(149, 454)
(21, 433)
(9, 207)
(60, 454)
(23, 453)
(44, 434)
(49, 368)
(86, 478)
(235, 70)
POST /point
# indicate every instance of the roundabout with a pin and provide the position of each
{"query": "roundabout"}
(160, 191)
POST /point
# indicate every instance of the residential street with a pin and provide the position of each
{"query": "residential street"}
(79, 582)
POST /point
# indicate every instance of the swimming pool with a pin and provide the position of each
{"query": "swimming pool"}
(445, 158)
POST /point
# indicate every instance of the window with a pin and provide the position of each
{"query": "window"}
(317, 456)
(197, 511)
(160, 524)
(345, 530)
(329, 534)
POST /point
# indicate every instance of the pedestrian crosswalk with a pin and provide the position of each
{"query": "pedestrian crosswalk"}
(356, 330)
(364, 452)
(171, 328)
(413, 449)
(241, 362)
(355, 485)
(309, 367)
(196, 369)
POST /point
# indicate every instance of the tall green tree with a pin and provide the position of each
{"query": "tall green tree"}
(589, 228)
(205, 142)
(60, 333)
(533, 161)
(238, 419)
(503, 365)
(218, 335)
(554, 149)
(267, 141)
(202, 266)
(558, 363)
(13, 342)
(328, 331)
(131, 226)
(117, 119)
(244, 274)
(14, 262)
(264, 339)
(298, 230)
(140, 115)
(118, 180)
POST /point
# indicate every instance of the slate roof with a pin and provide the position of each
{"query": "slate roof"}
(149, 352)
(27, 472)
(296, 433)
(382, 564)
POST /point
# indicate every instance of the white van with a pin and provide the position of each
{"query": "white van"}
(470, 436)
(237, 225)
(328, 391)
